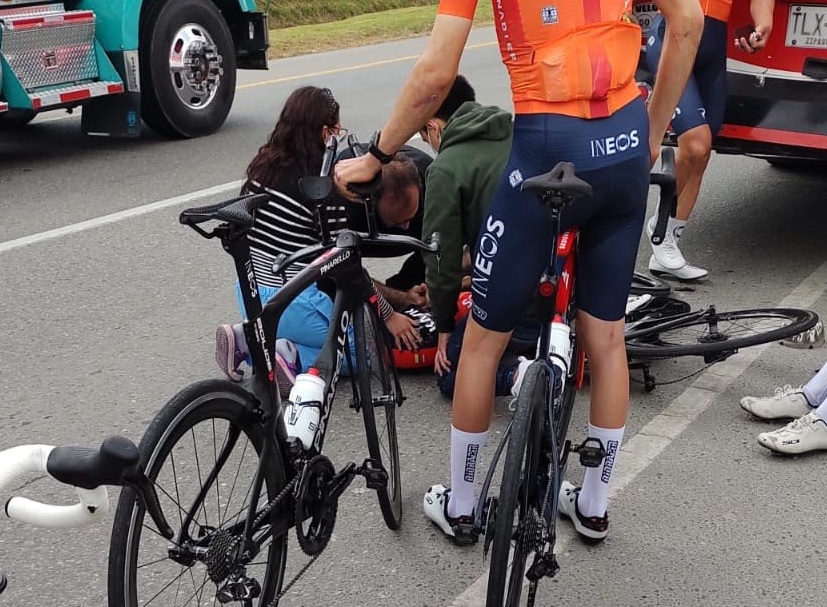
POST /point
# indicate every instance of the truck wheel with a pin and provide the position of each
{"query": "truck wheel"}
(188, 68)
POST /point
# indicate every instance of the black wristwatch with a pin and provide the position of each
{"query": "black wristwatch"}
(374, 150)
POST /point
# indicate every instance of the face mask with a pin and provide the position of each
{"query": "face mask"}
(430, 141)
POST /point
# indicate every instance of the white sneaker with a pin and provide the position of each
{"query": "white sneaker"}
(667, 257)
(807, 433)
(787, 402)
(591, 527)
(636, 302)
(460, 529)
(808, 339)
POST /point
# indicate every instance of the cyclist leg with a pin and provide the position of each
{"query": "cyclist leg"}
(504, 275)
(606, 258)
(697, 117)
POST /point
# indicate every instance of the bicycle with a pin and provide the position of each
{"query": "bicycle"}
(666, 328)
(89, 471)
(236, 549)
(522, 519)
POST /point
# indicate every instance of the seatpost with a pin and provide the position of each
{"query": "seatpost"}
(547, 286)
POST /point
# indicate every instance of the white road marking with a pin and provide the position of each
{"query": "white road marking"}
(644, 447)
(119, 216)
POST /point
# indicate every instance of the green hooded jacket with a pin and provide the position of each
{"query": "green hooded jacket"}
(460, 183)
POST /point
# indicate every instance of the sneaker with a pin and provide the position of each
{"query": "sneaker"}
(228, 357)
(287, 365)
(636, 302)
(667, 257)
(591, 527)
(460, 529)
(808, 339)
(807, 433)
(787, 402)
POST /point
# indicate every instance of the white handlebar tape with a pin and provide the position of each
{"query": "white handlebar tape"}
(26, 459)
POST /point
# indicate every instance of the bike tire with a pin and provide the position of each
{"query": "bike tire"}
(662, 339)
(380, 395)
(521, 492)
(643, 284)
(216, 404)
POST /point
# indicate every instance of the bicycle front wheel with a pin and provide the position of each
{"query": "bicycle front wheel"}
(710, 332)
(519, 521)
(380, 395)
(201, 453)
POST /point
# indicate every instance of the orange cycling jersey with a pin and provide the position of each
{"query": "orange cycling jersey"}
(717, 9)
(576, 58)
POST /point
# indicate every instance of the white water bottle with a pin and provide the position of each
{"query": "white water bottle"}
(304, 407)
(560, 346)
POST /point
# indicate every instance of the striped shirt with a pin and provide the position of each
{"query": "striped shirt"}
(283, 226)
(286, 225)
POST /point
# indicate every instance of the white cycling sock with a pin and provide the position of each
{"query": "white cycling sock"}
(466, 448)
(594, 496)
(815, 391)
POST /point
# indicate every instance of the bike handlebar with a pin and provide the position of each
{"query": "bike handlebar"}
(88, 470)
(668, 193)
(93, 504)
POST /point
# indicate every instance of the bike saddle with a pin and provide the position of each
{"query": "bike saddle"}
(238, 211)
(559, 182)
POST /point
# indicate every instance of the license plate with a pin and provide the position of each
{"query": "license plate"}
(807, 26)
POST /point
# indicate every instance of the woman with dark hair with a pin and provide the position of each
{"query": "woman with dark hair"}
(287, 224)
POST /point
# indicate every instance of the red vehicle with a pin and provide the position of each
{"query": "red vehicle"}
(777, 98)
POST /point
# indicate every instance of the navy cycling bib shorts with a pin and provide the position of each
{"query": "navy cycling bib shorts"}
(515, 239)
(704, 98)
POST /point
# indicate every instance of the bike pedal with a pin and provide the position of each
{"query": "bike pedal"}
(375, 477)
(591, 452)
(544, 566)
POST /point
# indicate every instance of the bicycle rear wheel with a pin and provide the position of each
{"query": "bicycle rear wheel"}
(709, 332)
(380, 395)
(518, 522)
(205, 441)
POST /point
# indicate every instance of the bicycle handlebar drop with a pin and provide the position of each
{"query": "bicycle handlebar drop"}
(89, 471)
(668, 193)
(93, 504)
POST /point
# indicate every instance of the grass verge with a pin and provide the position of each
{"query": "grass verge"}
(370, 28)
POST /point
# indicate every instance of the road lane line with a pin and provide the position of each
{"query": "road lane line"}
(349, 68)
(119, 216)
(644, 447)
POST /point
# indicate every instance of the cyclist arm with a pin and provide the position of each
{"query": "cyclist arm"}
(685, 20)
(423, 92)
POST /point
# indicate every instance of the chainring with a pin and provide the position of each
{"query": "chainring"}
(314, 519)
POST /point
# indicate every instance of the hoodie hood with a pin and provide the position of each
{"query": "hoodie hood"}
(475, 121)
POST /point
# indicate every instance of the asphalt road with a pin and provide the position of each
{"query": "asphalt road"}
(107, 316)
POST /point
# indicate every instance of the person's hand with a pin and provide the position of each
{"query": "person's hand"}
(405, 331)
(441, 363)
(355, 170)
(418, 296)
(756, 40)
